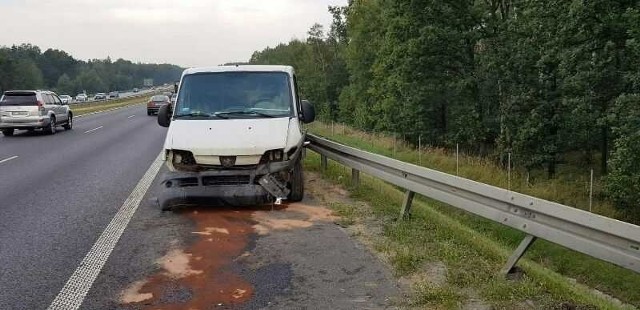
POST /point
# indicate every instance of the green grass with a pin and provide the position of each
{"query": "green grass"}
(82, 109)
(430, 295)
(475, 249)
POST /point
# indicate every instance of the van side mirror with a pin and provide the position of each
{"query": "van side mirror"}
(164, 115)
(308, 112)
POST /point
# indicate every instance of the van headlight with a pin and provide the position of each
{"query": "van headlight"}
(183, 157)
(272, 156)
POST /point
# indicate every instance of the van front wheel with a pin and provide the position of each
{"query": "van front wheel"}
(297, 183)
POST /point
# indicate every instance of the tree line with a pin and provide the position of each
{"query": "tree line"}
(546, 80)
(27, 67)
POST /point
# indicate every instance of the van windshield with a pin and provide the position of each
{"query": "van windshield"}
(235, 95)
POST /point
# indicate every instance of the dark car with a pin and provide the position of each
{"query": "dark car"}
(156, 102)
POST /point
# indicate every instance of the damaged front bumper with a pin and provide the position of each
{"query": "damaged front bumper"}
(228, 187)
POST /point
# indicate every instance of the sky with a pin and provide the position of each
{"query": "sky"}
(183, 32)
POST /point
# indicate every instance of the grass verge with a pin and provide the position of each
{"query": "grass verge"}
(474, 249)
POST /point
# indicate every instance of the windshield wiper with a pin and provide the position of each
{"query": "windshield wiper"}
(245, 113)
(197, 114)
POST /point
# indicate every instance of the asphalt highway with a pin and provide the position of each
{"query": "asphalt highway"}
(79, 230)
(59, 192)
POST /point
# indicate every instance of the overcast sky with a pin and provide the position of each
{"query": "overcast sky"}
(182, 32)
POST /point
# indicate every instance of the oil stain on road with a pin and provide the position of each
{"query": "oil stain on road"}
(211, 271)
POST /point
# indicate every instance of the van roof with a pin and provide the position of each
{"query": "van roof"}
(240, 68)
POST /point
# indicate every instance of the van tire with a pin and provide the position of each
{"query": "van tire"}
(7, 132)
(297, 183)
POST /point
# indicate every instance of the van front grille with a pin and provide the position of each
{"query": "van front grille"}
(226, 180)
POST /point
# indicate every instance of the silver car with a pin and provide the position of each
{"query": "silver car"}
(66, 99)
(33, 109)
(82, 97)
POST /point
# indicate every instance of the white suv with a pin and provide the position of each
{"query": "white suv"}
(33, 109)
(235, 137)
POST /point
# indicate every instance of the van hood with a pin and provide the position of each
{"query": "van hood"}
(231, 137)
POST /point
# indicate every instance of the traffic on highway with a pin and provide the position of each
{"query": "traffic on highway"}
(85, 226)
(88, 98)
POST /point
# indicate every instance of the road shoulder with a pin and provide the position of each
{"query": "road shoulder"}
(291, 256)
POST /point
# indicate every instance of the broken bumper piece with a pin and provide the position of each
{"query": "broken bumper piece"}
(225, 187)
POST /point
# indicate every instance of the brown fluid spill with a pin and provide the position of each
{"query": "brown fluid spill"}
(267, 225)
(205, 269)
(177, 264)
(210, 230)
(296, 215)
(133, 295)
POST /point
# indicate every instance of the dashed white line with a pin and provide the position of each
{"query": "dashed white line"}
(8, 159)
(75, 290)
(132, 116)
(94, 129)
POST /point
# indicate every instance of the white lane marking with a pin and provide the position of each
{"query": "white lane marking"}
(94, 129)
(75, 290)
(132, 116)
(8, 159)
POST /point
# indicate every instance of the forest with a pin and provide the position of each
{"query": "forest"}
(25, 66)
(552, 82)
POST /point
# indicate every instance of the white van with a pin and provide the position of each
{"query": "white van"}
(235, 137)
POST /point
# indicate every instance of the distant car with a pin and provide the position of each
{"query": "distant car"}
(156, 102)
(33, 109)
(66, 99)
(114, 95)
(81, 97)
(135, 90)
(100, 96)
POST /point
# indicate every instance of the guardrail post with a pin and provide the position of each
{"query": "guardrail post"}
(517, 254)
(406, 205)
(355, 177)
(323, 163)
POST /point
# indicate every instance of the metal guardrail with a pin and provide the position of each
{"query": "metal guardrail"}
(604, 238)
